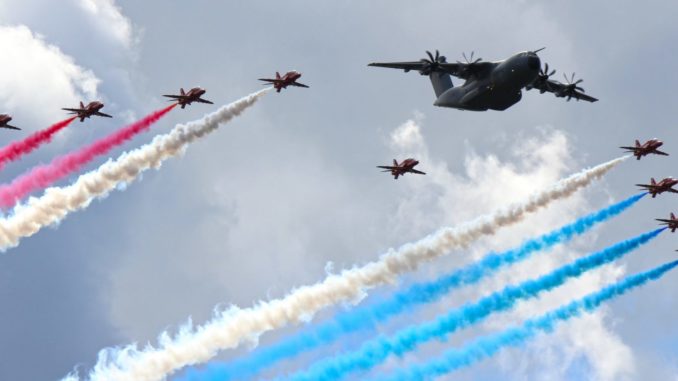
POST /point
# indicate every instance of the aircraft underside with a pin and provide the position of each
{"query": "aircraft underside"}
(480, 98)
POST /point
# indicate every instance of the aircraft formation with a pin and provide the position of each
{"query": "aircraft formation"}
(487, 86)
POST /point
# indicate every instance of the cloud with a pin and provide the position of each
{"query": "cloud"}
(488, 182)
(38, 78)
(110, 20)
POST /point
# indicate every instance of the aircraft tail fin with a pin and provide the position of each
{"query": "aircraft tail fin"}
(441, 82)
(82, 105)
(277, 75)
(637, 143)
(653, 181)
(395, 162)
(181, 91)
(673, 216)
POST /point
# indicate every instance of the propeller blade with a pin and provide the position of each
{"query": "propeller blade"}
(430, 55)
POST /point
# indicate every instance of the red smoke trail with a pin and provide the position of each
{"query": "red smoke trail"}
(15, 150)
(44, 175)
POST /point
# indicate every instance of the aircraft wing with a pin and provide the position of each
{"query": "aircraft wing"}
(558, 88)
(457, 69)
(10, 127)
(268, 80)
(664, 221)
(387, 167)
(200, 100)
(647, 186)
(102, 114)
(629, 148)
(417, 172)
(176, 96)
(672, 190)
(74, 110)
(661, 153)
(297, 84)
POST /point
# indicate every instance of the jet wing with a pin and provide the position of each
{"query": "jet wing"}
(10, 127)
(176, 96)
(102, 114)
(417, 172)
(648, 186)
(200, 100)
(269, 80)
(558, 88)
(74, 110)
(665, 221)
(660, 153)
(297, 84)
(672, 190)
(457, 69)
(387, 167)
(629, 148)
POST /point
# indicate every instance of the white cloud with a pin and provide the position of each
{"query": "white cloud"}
(38, 78)
(490, 182)
(110, 20)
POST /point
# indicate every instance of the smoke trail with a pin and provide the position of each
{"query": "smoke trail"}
(229, 328)
(374, 352)
(15, 150)
(489, 345)
(58, 202)
(44, 175)
(367, 317)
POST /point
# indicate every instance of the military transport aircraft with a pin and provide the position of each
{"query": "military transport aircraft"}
(87, 111)
(654, 188)
(4, 120)
(671, 223)
(650, 146)
(186, 98)
(489, 85)
(289, 79)
(407, 166)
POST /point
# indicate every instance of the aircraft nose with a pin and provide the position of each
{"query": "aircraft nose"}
(533, 62)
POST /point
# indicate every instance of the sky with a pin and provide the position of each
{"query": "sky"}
(264, 204)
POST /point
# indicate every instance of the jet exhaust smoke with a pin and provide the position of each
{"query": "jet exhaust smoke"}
(487, 346)
(15, 150)
(403, 301)
(45, 175)
(376, 351)
(231, 327)
(38, 212)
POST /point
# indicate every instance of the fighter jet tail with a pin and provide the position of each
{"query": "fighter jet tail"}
(441, 82)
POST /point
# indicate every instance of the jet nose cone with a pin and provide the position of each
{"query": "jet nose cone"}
(533, 62)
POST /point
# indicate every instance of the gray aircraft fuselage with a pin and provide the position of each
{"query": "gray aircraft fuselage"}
(497, 86)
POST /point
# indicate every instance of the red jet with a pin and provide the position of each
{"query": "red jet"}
(406, 166)
(671, 223)
(86, 111)
(289, 79)
(4, 119)
(655, 188)
(186, 98)
(650, 146)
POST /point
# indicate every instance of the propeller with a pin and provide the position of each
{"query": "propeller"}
(470, 66)
(570, 90)
(542, 79)
(432, 64)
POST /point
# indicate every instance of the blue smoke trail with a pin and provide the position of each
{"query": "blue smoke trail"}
(420, 293)
(489, 345)
(374, 352)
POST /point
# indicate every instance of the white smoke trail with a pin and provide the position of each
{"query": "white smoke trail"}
(57, 202)
(231, 327)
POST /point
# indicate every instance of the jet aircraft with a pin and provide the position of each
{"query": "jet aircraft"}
(281, 82)
(649, 147)
(407, 166)
(671, 223)
(87, 111)
(654, 188)
(186, 98)
(489, 85)
(4, 120)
